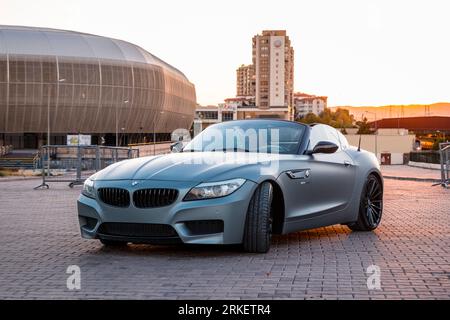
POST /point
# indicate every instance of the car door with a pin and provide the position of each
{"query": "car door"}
(318, 184)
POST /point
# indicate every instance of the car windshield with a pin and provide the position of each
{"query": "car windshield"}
(263, 136)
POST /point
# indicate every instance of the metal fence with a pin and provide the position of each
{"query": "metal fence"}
(425, 156)
(444, 150)
(73, 164)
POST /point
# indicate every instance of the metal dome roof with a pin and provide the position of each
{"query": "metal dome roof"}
(22, 40)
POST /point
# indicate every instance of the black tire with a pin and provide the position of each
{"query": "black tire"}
(258, 224)
(370, 206)
(113, 243)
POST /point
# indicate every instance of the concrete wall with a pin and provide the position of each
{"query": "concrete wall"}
(397, 158)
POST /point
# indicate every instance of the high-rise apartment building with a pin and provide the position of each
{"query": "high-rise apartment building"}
(265, 88)
(245, 80)
(273, 58)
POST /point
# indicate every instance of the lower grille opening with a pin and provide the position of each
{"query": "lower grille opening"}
(137, 230)
(87, 222)
(200, 227)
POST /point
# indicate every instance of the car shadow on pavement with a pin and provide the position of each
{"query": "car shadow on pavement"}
(332, 237)
(173, 251)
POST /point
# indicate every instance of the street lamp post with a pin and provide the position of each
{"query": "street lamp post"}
(122, 140)
(117, 123)
(48, 122)
(154, 132)
(48, 114)
(48, 109)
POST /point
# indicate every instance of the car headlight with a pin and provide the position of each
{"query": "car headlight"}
(212, 190)
(88, 188)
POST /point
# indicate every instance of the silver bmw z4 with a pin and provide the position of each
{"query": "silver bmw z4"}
(237, 182)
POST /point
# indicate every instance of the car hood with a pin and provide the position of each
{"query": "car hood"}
(190, 166)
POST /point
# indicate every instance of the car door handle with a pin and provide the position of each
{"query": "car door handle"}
(347, 163)
(299, 174)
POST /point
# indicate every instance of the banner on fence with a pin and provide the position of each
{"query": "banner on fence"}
(78, 140)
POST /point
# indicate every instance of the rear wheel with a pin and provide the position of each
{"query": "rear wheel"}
(258, 225)
(370, 207)
(113, 243)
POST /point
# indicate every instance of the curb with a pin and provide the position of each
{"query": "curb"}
(413, 179)
(18, 179)
(426, 168)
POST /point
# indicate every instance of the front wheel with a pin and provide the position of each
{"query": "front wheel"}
(370, 207)
(258, 225)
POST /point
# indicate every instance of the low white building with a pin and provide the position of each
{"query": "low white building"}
(306, 103)
(207, 115)
(392, 146)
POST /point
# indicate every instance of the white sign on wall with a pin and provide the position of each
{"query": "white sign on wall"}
(78, 139)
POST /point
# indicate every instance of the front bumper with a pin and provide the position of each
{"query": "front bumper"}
(230, 210)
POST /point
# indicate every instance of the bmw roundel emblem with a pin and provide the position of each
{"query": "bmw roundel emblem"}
(134, 183)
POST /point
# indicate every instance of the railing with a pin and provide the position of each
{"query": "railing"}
(73, 164)
(148, 143)
(148, 149)
(444, 150)
(37, 163)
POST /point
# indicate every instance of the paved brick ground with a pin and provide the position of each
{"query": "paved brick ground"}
(404, 171)
(39, 238)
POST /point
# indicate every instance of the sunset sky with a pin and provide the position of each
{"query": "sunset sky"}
(355, 52)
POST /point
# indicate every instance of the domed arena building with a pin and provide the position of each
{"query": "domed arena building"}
(75, 83)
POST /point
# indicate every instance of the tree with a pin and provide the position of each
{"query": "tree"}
(309, 118)
(341, 118)
(364, 127)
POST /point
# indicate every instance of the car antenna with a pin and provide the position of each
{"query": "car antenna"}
(359, 143)
(360, 133)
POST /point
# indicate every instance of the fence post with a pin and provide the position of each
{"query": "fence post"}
(79, 163)
(43, 164)
(441, 151)
(97, 158)
(43, 184)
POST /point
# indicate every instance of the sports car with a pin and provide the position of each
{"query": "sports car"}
(237, 182)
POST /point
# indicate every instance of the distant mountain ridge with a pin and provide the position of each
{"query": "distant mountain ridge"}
(398, 111)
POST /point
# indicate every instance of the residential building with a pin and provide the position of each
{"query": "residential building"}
(245, 81)
(307, 103)
(273, 57)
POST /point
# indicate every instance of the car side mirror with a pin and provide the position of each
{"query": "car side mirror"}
(176, 147)
(324, 147)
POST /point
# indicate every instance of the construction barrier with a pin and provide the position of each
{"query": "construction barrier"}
(73, 164)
